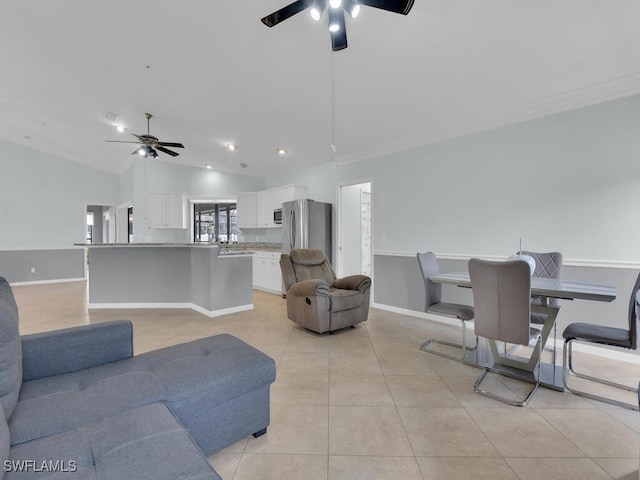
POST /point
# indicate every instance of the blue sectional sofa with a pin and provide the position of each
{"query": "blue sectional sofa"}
(78, 402)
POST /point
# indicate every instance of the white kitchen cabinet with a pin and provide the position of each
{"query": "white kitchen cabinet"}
(267, 275)
(247, 210)
(271, 199)
(168, 210)
(255, 209)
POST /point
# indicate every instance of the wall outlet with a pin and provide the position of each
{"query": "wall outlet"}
(33, 269)
(383, 238)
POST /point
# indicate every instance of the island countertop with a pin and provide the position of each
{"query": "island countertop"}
(225, 248)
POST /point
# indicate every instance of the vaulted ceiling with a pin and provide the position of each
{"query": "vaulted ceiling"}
(211, 73)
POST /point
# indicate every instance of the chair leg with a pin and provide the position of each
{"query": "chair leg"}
(434, 341)
(515, 403)
(567, 369)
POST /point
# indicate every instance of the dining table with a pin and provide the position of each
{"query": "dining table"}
(544, 289)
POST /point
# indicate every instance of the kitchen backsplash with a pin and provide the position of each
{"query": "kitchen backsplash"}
(269, 235)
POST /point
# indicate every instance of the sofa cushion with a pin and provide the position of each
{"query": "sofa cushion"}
(146, 442)
(208, 371)
(10, 350)
(345, 299)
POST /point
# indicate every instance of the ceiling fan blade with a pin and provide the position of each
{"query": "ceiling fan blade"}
(396, 6)
(138, 137)
(170, 144)
(120, 141)
(167, 151)
(286, 12)
(338, 38)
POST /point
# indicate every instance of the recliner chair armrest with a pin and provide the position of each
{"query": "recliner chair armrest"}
(353, 282)
(308, 288)
(71, 349)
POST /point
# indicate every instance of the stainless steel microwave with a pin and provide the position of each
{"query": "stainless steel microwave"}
(277, 216)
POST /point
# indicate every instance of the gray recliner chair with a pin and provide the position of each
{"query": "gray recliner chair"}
(316, 299)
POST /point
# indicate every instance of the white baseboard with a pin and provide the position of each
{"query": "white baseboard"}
(223, 311)
(268, 290)
(44, 282)
(620, 355)
(193, 306)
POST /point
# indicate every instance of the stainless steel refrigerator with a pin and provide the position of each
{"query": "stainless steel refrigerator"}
(306, 224)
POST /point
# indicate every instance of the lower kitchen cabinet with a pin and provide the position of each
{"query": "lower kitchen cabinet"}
(267, 275)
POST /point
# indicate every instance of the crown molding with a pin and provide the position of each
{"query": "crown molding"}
(574, 99)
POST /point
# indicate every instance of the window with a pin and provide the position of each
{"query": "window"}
(215, 222)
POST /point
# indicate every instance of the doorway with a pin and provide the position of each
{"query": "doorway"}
(98, 224)
(355, 229)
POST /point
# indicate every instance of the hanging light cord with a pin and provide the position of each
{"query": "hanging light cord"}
(333, 102)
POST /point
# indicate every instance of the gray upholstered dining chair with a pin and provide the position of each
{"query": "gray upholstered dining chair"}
(548, 265)
(602, 335)
(433, 304)
(502, 303)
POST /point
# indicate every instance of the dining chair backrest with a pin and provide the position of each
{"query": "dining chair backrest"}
(502, 299)
(634, 321)
(548, 265)
(429, 267)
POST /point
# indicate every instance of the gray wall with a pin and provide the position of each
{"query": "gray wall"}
(566, 182)
(43, 198)
(48, 264)
(42, 212)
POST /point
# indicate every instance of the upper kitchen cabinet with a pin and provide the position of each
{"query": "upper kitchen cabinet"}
(255, 209)
(168, 210)
(247, 210)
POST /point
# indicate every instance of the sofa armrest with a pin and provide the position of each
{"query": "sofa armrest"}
(353, 282)
(71, 349)
(308, 288)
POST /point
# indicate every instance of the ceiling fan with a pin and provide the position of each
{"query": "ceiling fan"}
(149, 144)
(336, 14)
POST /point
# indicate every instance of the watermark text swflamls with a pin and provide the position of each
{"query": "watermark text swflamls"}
(58, 466)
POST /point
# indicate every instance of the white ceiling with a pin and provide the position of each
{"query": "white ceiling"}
(216, 75)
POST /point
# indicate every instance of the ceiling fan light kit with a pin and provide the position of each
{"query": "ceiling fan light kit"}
(150, 145)
(336, 10)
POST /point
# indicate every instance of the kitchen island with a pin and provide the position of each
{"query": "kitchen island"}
(201, 277)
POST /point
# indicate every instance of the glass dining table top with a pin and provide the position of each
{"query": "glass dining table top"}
(546, 287)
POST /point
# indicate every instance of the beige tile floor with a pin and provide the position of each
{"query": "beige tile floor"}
(365, 403)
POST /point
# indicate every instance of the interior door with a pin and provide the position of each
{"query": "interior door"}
(355, 227)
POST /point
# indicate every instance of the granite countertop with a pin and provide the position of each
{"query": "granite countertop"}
(241, 245)
(244, 246)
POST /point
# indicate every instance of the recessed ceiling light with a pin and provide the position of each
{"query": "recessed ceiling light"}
(231, 146)
(120, 127)
(281, 151)
(208, 166)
